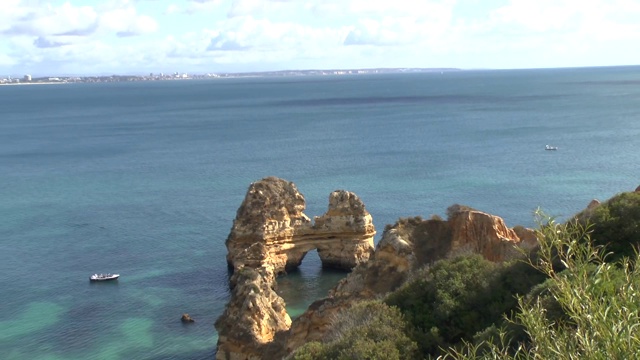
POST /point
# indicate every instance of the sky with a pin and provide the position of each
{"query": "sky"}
(105, 37)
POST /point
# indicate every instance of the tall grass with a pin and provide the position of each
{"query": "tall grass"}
(600, 302)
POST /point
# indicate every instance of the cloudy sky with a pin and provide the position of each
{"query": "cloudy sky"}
(84, 37)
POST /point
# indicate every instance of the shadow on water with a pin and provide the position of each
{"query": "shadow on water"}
(104, 283)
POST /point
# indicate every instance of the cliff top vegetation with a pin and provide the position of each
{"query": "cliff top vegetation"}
(576, 296)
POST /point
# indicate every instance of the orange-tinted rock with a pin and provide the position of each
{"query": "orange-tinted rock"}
(481, 233)
(272, 214)
(253, 316)
(186, 318)
(271, 234)
(408, 245)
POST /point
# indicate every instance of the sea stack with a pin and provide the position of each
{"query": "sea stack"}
(270, 235)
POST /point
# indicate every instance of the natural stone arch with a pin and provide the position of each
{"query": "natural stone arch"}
(272, 214)
(271, 234)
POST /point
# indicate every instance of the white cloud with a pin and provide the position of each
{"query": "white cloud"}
(564, 28)
(49, 20)
(358, 9)
(126, 22)
(538, 16)
(36, 33)
(245, 39)
(34, 19)
(263, 8)
(173, 9)
(579, 16)
(6, 60)
(325, 33)
(195, 6)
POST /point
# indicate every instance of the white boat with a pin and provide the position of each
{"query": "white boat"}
(104, 277)
(549, 147)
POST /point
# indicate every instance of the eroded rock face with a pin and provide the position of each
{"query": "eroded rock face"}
(404, 247)
(272, 214)
(271, 234)
(253, 317)
(344, 234)
(481, 233)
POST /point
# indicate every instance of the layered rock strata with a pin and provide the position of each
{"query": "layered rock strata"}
(404, 247)
(272, 214)
(270, 235)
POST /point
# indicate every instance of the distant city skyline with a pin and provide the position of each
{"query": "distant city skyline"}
(75, 38)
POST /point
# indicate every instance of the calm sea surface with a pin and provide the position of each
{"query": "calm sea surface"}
(144, 179)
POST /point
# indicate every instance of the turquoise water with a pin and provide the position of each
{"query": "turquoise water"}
(144, 179)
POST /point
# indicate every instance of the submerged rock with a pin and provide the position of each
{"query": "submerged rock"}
(186, 318)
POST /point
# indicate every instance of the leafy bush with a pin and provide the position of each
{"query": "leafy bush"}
(369, 330)
(404, 222)
(454, 299)
(616, 224)
(600, 304)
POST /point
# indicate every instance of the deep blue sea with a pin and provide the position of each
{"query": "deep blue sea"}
(145, 178)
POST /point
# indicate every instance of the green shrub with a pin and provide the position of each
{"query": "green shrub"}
(616, 224)
(600, 304)
(313, 350)
(455, 299)
(369, 330)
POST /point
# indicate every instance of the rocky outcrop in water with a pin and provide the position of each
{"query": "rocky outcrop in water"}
(271, 234)
(253, 317)
(186, 318)
(272, 214)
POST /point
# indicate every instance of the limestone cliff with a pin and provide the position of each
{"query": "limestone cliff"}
(253, 317)
(272, 214)
(271, 234)
(406, 246)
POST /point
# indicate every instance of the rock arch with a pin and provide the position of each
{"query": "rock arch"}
(272, 214)
(271, 234)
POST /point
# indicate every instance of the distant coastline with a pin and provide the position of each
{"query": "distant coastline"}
(47, 80)
(32, 83)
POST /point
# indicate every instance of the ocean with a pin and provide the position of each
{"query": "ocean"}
(144, 179)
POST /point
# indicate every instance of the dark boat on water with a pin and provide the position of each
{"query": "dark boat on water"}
(104, 277)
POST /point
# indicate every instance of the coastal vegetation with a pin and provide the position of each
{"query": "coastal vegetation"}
(576, 296)
(369, 330)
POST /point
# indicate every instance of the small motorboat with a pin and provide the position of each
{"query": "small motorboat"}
(104, 277)
(549, 147)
